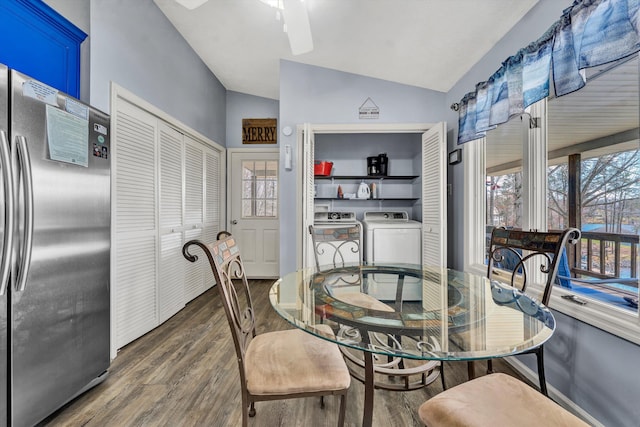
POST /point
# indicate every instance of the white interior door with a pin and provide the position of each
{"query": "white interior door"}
(194, 213)
(171, 264)
(307, 178)
(434, 201)
(168, 187)
(254, 207)
(134, 231)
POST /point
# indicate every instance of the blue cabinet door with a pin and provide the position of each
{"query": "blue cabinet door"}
(39, 42)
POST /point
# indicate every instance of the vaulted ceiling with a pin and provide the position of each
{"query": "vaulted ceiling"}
(425, 43)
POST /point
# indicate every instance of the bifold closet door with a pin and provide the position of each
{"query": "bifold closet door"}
(434, 200)
(213, 202)
(168, 189)
(194, 213)
(171, 266)
(134, 230)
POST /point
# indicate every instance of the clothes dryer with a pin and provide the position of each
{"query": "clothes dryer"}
(391, 237)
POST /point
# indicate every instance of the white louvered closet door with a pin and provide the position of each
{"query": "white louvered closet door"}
(434, 201)
(134, 218)
(167, 189)
(213, 201)
(171, 266)
(194, 215)
(307, 195)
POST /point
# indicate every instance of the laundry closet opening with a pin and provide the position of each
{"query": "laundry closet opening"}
(397, 171)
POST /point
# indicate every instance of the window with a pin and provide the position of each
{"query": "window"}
(504, 174)
(504, 200)
(571, 161)
(557, 202)
(259, 189)
(608, 199)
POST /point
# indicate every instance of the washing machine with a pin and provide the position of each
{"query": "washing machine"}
(391, 237)
(346, 219)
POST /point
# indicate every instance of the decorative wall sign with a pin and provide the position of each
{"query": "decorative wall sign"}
(369, 110)
(259, 131)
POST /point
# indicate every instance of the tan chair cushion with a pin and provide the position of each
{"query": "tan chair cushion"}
(294, 361)
(495, 400)
(364, 300)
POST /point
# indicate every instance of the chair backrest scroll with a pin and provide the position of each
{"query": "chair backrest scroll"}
(228, 270)
(336, 246)
(510, 249)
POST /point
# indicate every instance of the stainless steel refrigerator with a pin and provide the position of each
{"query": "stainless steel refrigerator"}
(55, 236)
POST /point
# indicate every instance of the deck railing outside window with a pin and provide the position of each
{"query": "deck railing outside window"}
(608, 256)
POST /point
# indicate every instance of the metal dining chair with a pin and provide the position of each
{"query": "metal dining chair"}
(508, 255)
(499, 399)
(274, 365)
(495, 400)
(338, 246)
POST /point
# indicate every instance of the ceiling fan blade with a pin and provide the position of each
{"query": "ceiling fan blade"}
(298, 28)
(191, 4)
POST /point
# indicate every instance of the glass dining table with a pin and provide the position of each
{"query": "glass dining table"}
(426, 313)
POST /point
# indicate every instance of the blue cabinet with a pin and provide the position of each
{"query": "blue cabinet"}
(38, 41)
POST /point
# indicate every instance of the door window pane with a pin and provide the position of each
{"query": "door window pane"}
(259, 189)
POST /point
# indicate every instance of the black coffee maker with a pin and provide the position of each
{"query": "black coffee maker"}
(373, 166)
(378, 165)
(383, 164)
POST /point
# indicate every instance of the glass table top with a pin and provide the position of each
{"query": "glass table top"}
(413, 311)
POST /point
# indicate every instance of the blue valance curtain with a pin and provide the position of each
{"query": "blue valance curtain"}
(589, 33)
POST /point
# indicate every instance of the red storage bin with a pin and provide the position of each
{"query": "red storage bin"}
(322, 168)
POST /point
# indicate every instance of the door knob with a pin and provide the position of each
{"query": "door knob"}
(234, 222)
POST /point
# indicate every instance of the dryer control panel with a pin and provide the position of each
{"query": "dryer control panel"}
(395, 216)
(331, 217)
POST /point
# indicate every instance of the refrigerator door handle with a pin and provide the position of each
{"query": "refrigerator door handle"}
(25, 169)
(9, 214)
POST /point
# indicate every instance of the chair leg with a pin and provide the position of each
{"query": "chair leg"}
(343, 409)
(444, 387)
(541, 377)
(247, 409)
(322, 402)
(489, 366)
(471, 370)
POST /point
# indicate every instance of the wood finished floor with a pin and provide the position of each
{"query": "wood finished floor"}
(184, 373)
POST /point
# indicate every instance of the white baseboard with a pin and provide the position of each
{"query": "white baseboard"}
(558, 397)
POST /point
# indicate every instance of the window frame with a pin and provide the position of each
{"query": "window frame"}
(254, 199)
(614, 320)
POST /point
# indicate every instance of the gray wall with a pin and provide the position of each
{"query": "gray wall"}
(77, 12)
(134, 45)
(242, 106)
(310, 94)
(595, 369)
